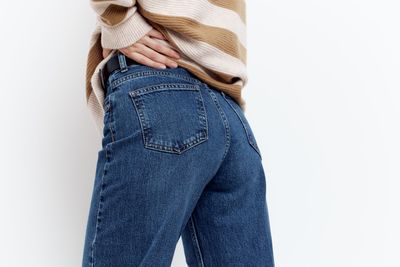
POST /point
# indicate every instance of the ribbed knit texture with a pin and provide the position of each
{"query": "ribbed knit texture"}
(210, 36)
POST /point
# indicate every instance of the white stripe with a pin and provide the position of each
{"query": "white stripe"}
(202, 11)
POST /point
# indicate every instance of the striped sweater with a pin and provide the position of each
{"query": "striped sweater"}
(210, 36)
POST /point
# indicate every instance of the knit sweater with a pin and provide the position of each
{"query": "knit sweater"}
(209, 35)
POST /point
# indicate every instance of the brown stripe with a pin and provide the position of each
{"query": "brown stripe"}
(239, 6)
(114, 14)
(94, 57)
(226, 78)
(234, 90)
(231, 89)
(220, 38)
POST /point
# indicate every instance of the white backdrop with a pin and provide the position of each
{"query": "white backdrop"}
(323, 101)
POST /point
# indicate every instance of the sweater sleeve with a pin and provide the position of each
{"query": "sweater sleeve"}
(121, 24)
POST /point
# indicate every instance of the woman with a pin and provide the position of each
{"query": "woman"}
(178, 156)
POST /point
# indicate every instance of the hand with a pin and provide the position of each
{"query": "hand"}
(149, 52)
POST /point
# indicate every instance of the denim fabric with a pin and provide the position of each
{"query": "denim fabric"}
(178, 158)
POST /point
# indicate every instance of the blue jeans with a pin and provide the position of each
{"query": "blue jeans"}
(178, 158)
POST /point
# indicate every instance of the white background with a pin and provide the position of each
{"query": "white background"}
(323, 102)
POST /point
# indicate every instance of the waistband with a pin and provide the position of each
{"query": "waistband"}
(124, 63)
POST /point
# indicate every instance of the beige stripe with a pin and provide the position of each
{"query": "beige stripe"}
(95, 55)
(201, 11)
(239, 6)
(222, 39)
(97, 112)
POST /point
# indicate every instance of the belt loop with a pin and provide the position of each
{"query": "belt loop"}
(122, 62)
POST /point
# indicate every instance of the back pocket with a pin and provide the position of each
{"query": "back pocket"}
(172, 116)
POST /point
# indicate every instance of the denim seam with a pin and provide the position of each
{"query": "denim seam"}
(245, 127)
(101, 200)
(202, 114)
(145, 74)
(224, 120)
(106, 104)
(112, 131)
(165, 87)
(136, 104)
(195, 240)
(112, 120)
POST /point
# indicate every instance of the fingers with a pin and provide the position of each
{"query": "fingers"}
(156, 56)
(151, 54)
(148, 51)
(143, 59)
(160, 47)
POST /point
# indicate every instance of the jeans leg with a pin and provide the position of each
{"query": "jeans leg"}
(229, 225)
(153, 167)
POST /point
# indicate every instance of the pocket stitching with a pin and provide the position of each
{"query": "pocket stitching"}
(165, 87)
(148, 73)
(200, 136)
